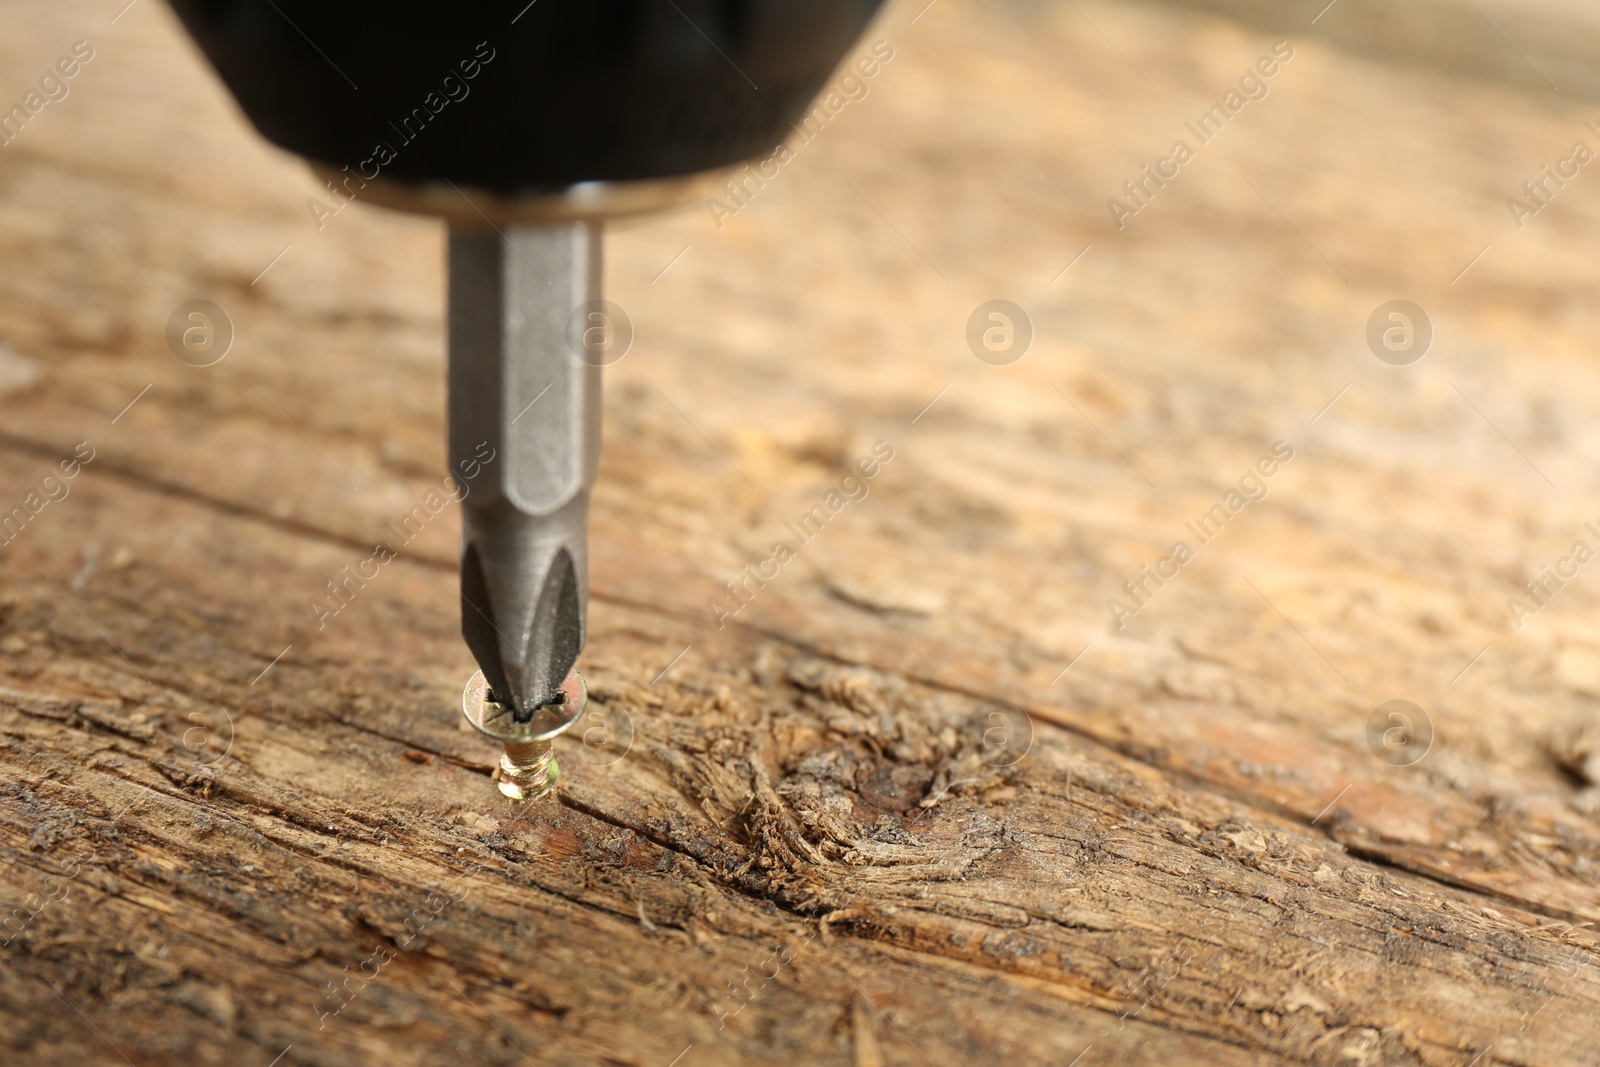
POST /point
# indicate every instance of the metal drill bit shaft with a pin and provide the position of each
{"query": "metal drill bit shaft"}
(519, 386)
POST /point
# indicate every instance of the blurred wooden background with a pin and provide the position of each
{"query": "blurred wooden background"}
(812, 836)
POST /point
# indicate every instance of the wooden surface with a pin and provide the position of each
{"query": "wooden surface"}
(1536, 45)
(231, 836)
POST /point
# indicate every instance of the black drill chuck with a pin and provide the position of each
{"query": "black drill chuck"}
(513, 96)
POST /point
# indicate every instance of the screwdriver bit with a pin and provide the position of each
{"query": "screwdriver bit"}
(519, 381)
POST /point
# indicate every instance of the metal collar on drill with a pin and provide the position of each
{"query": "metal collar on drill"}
(473, 208)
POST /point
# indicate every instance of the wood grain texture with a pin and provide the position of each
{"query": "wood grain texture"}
(820, 833)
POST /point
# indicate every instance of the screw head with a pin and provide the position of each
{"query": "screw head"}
(496, 720)
(527, 769)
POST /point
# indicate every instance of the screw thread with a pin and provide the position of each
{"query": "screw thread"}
(528, 771)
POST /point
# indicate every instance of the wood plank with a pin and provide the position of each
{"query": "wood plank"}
(1197, 857)
(765, 787)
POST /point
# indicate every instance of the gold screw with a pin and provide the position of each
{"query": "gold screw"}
(527, 768)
